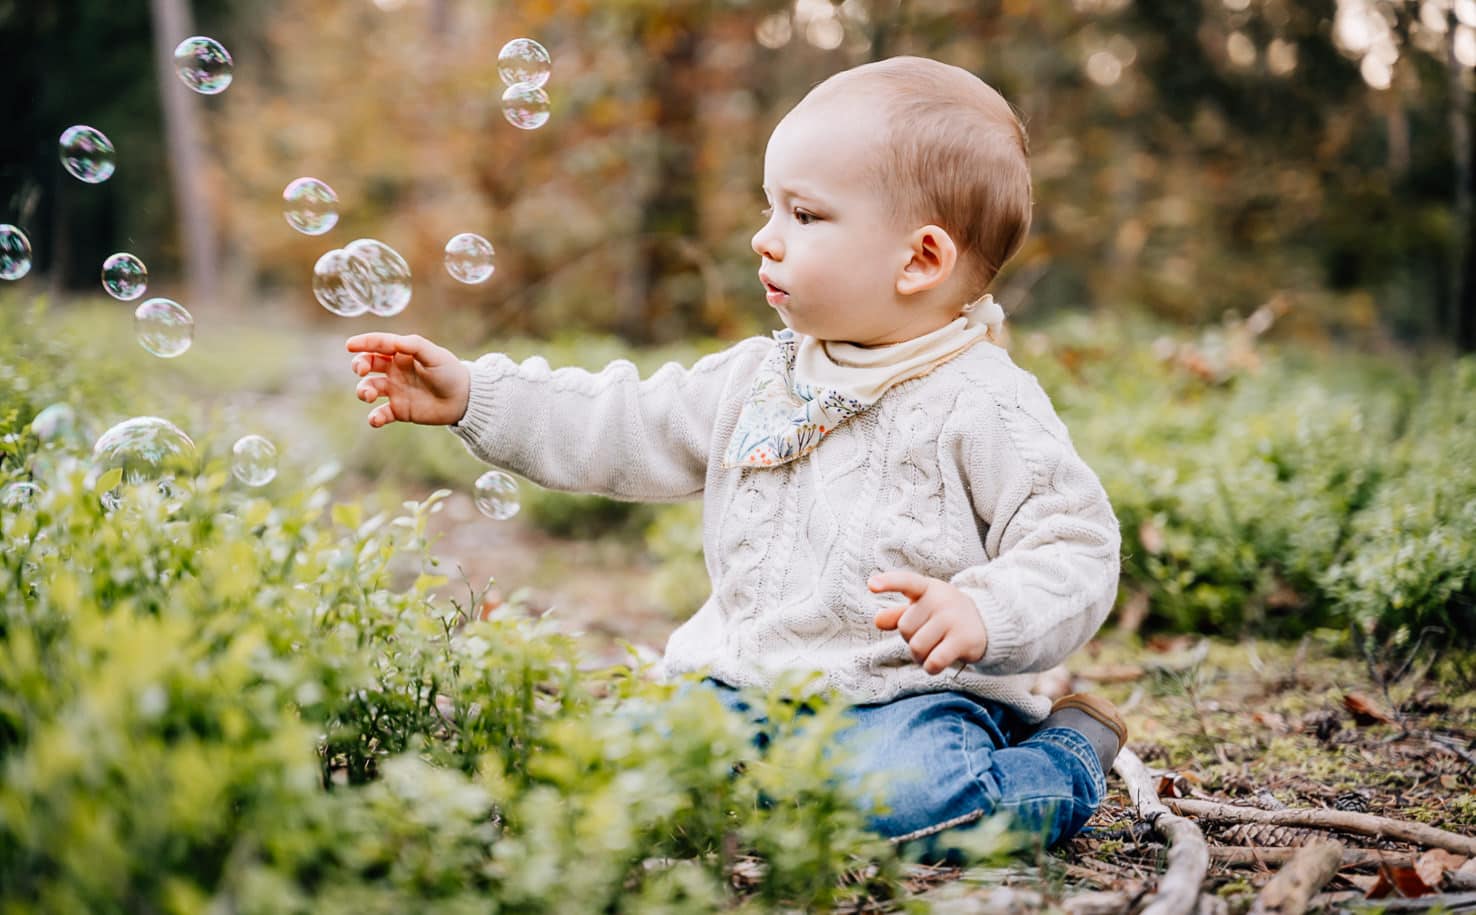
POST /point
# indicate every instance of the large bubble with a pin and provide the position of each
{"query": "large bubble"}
(343, 283)
(497, 495)
(311, 206)
(144, 451)
(87, 154)
(203, 64)
(254, 460)
(124, 276)
(15, 252)
(389, 274)
(525, 106)
(164, 327)
(523, 61)
(469, 258)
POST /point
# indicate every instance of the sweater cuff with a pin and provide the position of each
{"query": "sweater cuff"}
(1005, 636)
(481, 405)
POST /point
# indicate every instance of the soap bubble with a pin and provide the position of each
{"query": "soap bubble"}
(86, 154)
(497, 495)
(525, 106)
(523, 61)
(469, 258)
(124, 276)
(15, 252)
(203, 65)
(144, 450)
(254, 460)
(389, 292)
(342, 283)
(312, 207)
(57, 422)
(20, 493)
(164, 327)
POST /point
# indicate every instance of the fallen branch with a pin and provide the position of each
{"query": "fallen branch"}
(1294, 885)
(1188, 858)
(1445, 902)
(1235, 855)
(1364, 824)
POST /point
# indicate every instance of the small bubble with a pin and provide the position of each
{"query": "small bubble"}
(525, 107)
(15, 252)
(203, 64)
(57, 422)
(524, 61)
(124, 276)
(469, 258)
(19, 493)
(342, 283)
(389, 292)
(87, 154)
(497, 495)
(312, 207)
(254, 460)
(164, 327)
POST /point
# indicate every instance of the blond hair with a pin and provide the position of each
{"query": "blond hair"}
(957, 155)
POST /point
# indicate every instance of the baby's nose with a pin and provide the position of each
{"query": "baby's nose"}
(766, 244)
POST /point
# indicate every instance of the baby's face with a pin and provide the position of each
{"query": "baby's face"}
(832, 249)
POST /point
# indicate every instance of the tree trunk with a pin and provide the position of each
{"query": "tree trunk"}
(1462, 290)
(172, 24)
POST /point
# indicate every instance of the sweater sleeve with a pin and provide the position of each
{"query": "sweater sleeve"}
(609, 432)
(1051, 537)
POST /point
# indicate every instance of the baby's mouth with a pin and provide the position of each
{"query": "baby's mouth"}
(774, 294)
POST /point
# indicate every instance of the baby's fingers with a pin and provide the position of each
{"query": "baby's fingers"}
(373, 388)
(365, 363)
(381, 415)
(394, 344)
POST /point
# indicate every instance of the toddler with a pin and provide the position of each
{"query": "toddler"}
(881, 444)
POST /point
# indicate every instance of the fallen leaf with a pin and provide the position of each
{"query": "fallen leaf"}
(1432, 865)
(1401, 879)
(1364, 710)
(1168, 787)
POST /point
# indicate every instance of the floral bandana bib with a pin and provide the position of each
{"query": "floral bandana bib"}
(807, 387)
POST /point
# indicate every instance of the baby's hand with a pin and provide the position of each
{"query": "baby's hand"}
(425, 383)
(941, 624)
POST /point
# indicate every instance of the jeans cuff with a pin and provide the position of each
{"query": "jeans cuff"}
(1075, 743)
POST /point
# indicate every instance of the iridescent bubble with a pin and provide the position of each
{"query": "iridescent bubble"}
(124, 276)
(86, 154)
(15, 252)
(142, 451)
(469, 258)
(389, 292)
(203, 64)
(20, 493)
(523, 61)
(254, 460)
(164, 327)
(497, 495)
(342, 283)
(57, 422)
(525, 106)
(312, 207)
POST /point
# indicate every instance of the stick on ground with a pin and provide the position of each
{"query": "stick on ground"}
(1364, 824)
(1295, 884)
(1188, 857)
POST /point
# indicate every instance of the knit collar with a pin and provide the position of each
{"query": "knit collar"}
(808, 387)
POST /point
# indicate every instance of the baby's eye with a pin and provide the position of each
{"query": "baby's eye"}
(804, 218)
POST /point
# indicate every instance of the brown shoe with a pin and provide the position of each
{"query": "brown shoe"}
(1094, 717)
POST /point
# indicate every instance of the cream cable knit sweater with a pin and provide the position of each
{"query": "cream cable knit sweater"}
(966, 475)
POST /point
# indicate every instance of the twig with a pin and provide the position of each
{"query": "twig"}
(1445, 902)
(1188, 859)
(1235, 855)
(1294, 885)
(1363, 824)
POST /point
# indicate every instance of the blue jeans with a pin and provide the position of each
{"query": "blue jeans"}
(952, 759)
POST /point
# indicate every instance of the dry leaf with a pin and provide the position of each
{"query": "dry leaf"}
(1168, 787)
(1400, 879)
(1364, 710)
(1432, 865)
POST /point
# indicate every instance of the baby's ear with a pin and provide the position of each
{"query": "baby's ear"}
(931, 260)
